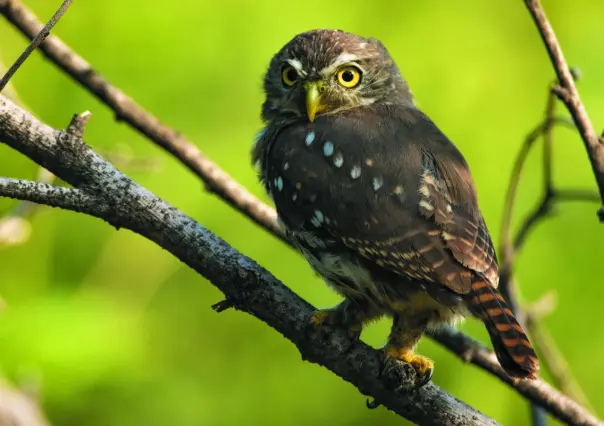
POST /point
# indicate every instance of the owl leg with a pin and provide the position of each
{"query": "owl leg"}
(349, 314)
(407, 329)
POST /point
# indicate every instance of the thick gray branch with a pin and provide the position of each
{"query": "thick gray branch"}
(247, 286)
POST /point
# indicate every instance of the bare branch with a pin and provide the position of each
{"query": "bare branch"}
(551, 356)
(50, 195)
(570, 96)
(536, 391)
(127, 110)
(39, 38)
(248, 286)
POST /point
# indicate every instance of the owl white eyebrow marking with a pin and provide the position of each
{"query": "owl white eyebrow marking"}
(341, 59)
(297, 66)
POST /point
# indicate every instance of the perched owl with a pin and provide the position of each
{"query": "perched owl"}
(378, 200)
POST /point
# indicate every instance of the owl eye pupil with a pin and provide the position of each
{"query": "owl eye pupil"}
(347, 76)
(292, 75)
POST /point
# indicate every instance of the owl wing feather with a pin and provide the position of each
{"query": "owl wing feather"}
(387, 184)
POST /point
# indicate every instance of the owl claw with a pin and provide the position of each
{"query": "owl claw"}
(423, 366)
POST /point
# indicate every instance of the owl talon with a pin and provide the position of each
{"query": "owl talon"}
(423, 366)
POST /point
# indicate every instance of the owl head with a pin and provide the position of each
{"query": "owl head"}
(322, 72)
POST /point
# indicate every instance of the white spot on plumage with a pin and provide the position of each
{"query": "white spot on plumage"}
(369, 162)
(362, 45)
(328, 149)
(377, 183)
(355, 173)
(449, 209)
(426, 205)
(286, 166)
(319, 215)
(367, 101)
(315, 222)
(310, 138)
(424, 190)
(398, 190)
(338, 160)
(279, 183)
(428, 178)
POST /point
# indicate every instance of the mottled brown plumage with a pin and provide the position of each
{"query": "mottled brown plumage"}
(376, 197)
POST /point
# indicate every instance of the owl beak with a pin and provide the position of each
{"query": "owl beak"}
(313, 98)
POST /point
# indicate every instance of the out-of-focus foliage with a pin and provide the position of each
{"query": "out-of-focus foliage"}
(120, 333)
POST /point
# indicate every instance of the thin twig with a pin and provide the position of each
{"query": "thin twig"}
(536, 391)
(39, 38)
(593, 144)
(127, 110)
(510, 247)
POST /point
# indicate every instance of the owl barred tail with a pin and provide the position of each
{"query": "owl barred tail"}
(512, 347)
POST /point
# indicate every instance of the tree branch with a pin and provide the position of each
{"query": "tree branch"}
(50, 195)
(127, 110)
(39, 38)
(570, 96)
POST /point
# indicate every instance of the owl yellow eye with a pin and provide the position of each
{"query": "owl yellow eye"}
(290, 76)
(349, 77)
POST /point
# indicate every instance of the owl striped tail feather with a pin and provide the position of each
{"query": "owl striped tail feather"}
(512, 347)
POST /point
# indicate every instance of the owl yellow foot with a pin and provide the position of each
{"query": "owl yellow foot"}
(334, 317)
(424, 366)
(322, 316)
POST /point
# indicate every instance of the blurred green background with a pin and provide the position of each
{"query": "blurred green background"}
(118, 332)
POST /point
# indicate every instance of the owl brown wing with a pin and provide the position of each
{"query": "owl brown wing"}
(387, 184)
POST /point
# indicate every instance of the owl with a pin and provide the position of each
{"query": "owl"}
(378, 200)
